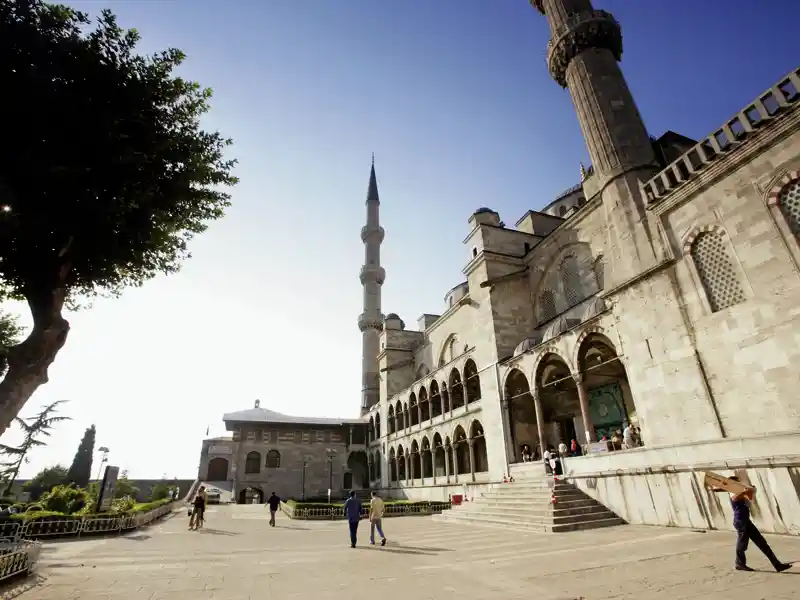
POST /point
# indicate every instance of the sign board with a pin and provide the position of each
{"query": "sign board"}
(219, 449)
(718, 483)
(107, 487)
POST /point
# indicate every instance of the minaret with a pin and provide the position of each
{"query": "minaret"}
(370, 322)
(583, 55)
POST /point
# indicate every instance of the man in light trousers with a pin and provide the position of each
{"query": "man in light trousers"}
(376, 509)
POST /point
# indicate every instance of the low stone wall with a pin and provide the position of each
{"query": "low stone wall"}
(664, 485)
(435, 493)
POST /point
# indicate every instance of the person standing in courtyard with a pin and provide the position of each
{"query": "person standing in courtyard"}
(352, 510)
(747, 531)
(376, 510)
(274, 504)
(199, 509)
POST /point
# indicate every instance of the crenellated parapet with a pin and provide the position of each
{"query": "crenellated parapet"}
(582, 31)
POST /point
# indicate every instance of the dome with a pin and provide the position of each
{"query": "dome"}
(483, 209)
(392, 316)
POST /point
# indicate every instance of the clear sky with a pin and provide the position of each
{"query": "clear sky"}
(454, 99)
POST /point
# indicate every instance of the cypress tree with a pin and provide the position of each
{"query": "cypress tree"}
(81, 470)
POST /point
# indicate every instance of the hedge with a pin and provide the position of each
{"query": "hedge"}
(49, 515)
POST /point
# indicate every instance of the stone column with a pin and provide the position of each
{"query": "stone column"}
(508, 427)
(464, 392)
(407, 419)
(419, 414)
(441, 403)
(407, 458)
(433, 465)
(471, 454)
(446, 464)
(583, 397)
(411, 464)
(537, 405)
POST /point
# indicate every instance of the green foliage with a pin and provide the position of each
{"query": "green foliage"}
(10, 335)
(81, 470)
(112, 174)
(148, 506)
(65, 499)
(45, 480)
(33, 428)
(107, 182)
(159, 491)
(123, 504)
(125, 488)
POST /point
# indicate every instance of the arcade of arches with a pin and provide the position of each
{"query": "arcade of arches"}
(595, 402)
(434, 460)
(438, 398)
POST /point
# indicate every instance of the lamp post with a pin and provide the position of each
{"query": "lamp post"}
(104, 450)
(305, 464)
(331, 454)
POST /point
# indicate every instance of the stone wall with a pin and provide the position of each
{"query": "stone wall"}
(664, 485)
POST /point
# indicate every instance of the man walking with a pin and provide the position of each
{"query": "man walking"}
(274, 504)
(376, 509)
(747, 531)
(352, 510)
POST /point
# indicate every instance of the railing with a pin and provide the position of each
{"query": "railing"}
(17, 557)
(46, 528)
(759, 113)
(390, 510)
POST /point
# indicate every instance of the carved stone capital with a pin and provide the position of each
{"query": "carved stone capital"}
(585, 30)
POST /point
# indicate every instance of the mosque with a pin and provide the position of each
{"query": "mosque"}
(661, 293)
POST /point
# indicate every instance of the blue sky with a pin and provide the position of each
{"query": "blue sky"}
(454, 99)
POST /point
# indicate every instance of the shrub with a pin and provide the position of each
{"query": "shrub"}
(121, 505)
(65, 499)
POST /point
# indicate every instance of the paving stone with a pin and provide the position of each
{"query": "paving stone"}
(239, 557)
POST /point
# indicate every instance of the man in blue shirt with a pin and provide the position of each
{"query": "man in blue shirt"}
(352, 510)
(747, 531)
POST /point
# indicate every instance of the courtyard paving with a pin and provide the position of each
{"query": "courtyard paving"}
(238, 556)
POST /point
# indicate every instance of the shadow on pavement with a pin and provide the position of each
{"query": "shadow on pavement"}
(216, 532)
(395, 550)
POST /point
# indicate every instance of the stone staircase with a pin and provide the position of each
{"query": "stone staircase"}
(526, 505)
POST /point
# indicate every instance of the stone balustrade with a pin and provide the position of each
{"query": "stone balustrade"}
(757, 115)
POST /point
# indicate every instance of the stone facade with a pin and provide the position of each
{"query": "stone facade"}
(291, 456)
(662, 291)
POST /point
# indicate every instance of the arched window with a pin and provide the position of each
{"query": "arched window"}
(789, 205)
(571, 280)
(273, 459)
(600, 273)
(562, 210)
(547, 306)
(252, 463)
(716, 270)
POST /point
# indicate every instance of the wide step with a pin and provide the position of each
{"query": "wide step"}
(529, 505)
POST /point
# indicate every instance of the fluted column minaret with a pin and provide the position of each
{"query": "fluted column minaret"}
(370, 322)
(583, 55)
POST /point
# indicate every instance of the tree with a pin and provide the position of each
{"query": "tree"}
(33, 428)
(159, 492)
(10, 334)
(81, 470)
(45, 480)
(125, 488)
(106, 183)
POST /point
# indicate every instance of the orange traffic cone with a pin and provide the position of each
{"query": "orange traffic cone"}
(553, 498)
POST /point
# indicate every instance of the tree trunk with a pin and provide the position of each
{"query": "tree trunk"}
(28, 362)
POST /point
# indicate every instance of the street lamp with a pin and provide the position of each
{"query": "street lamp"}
(331, 453)
(305, 464)
(104, 450)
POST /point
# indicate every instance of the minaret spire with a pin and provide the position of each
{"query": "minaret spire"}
(582, 55)
(370, 321)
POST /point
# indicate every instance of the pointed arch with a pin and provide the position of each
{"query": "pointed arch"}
(456, 389)
(472, 381)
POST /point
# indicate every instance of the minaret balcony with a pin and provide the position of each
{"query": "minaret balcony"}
(372, 274)
(371, 232)
(370, 321)
(585, 30)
